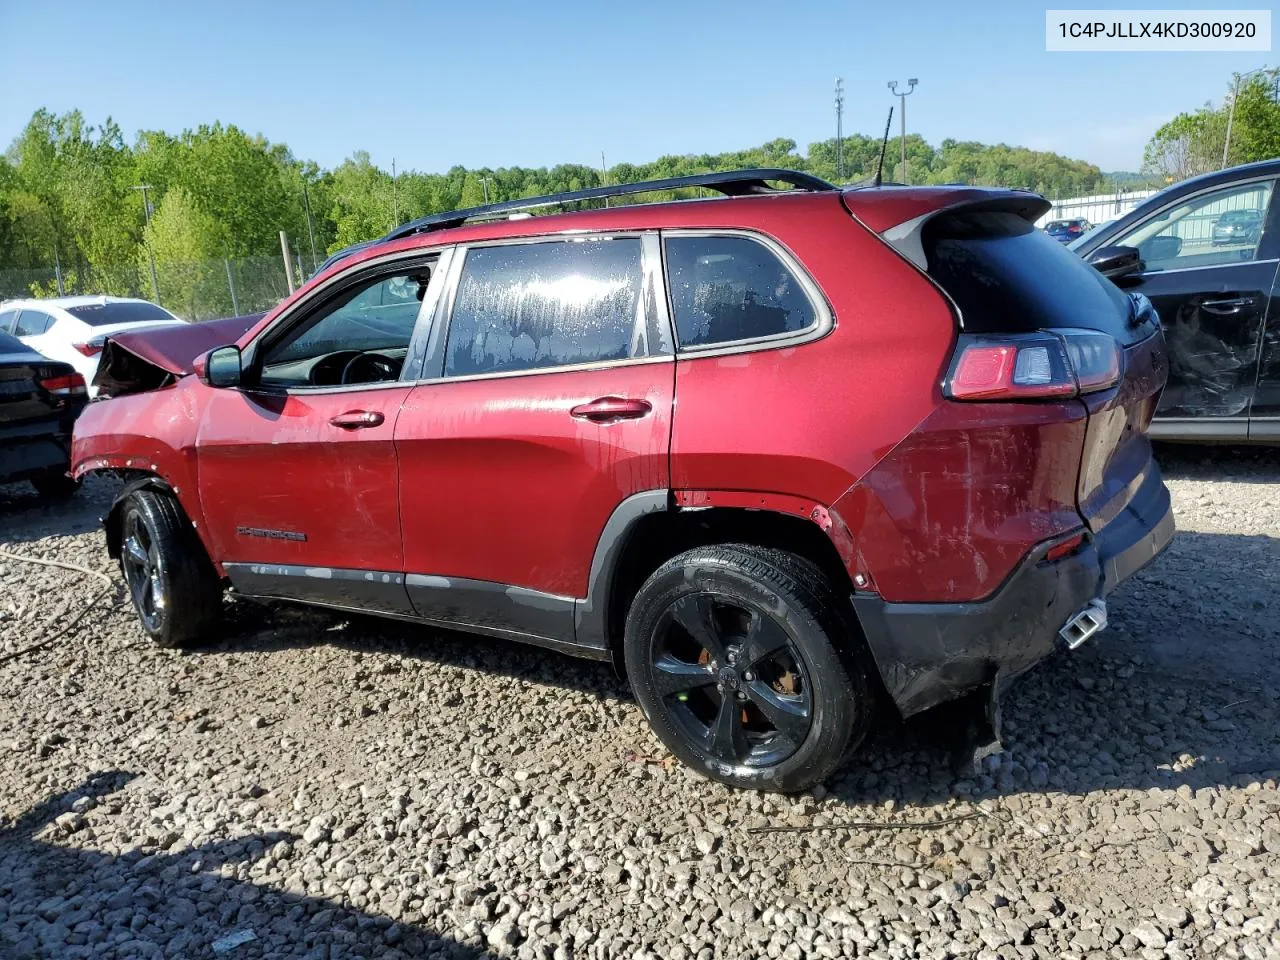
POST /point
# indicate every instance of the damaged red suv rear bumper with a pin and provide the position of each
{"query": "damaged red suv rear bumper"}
(928, 653)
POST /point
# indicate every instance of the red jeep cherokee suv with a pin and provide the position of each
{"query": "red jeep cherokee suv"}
(773, 453)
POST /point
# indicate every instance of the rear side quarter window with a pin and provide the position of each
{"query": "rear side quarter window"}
(729, 289)
(32, 323)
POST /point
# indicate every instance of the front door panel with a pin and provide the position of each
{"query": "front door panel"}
(281, 483)
(1213, 321)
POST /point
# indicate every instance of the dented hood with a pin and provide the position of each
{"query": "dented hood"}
(143, 360)
(173, 349)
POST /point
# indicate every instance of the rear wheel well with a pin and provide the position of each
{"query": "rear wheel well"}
(657, 537)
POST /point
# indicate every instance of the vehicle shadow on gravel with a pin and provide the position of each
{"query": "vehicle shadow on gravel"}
(1194, 461)
(26, 516)
(60, 901)
(1182, 688)
(1173, 693)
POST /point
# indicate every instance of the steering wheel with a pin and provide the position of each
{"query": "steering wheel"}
(369, 367)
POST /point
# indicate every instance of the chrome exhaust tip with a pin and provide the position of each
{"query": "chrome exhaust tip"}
(1087, 621)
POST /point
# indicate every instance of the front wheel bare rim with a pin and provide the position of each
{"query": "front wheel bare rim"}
(143, 573)
(732, 680)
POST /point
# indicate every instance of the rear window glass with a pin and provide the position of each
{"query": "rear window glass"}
(725, 289)
(1008, 277)
(550, 304)
(10, 344)
(102, 314)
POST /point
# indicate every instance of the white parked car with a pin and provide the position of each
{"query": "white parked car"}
(72, 329)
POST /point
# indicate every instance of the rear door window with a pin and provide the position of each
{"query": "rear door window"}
(729, 289)
(530, 306)
(32, 323)
(6, 320)
(1008, 277)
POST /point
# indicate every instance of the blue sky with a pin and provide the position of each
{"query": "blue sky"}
(498, 83)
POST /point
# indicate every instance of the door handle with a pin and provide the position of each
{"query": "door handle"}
(1224, 308)
(608, 409)
(357, 419)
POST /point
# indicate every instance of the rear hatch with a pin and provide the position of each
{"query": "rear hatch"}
(1012, 283)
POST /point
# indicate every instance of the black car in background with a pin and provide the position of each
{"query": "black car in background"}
(1064, 231)
(39, 401)
(1216, 292)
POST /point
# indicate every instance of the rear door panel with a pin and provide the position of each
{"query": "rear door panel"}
(1264, 421)
(500, 482)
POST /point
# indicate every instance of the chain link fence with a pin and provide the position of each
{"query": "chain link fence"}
(204, 290)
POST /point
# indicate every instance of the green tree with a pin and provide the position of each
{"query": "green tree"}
(1255, 127)
(188, 244)
(1193, 142)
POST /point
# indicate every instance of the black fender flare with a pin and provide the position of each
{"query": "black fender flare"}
(591, 614)
(111, 521)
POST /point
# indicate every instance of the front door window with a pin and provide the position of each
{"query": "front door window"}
(1211, 229)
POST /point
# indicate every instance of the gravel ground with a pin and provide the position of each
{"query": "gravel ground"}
(323, 787)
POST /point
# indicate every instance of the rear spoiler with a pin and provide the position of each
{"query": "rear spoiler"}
(141, 360)
(899, 214)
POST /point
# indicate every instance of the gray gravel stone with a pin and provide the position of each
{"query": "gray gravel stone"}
(347, 788)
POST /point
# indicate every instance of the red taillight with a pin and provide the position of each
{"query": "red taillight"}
(1052, 364)
(71, 385)
(90, 349)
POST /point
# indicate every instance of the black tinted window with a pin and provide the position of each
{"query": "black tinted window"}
(32, 323)
(527, 306)
(732, 288)
(10, 344)
(1007, 276)
(101, 314)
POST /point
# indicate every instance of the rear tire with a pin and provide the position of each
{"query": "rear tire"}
(732, 655)
(55, 485)
(174, 588)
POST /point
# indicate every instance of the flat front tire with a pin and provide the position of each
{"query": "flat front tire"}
(732, 655)
(174, 588)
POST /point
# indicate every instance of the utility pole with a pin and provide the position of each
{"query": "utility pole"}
(311, 230)
(604, 176)
(146, 212)
(902, 117)
(484, 184)
(288, 261)
(839, 129)
(395, 203)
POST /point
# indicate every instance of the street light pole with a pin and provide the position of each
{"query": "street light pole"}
(484, 183)
(146, 212)
(902, 116)
(839, 129)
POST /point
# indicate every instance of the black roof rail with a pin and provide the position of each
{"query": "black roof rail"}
(731, 183)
